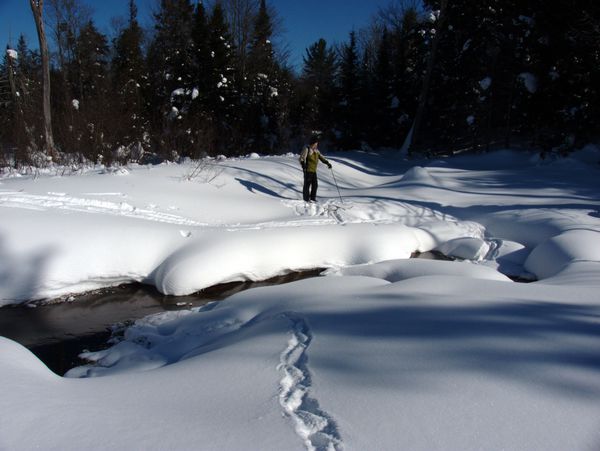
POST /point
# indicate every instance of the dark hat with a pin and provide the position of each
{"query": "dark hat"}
(313, 139)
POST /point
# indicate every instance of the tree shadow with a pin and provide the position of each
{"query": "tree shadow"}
(376, 166)
(20, 276)
(254, 188)
(554, 346)
(294, 187)
(20, 280)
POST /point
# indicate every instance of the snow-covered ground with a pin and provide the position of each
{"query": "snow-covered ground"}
(382, 353)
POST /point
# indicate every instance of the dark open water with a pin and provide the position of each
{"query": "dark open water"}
(58, 332)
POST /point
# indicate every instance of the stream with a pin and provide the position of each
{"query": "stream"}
(58, 331)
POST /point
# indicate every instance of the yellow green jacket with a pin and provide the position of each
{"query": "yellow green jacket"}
(309, 159)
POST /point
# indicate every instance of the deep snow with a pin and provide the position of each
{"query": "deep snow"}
(382, 353)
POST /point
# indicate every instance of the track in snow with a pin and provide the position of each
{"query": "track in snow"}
(60, 201)
(315, 427)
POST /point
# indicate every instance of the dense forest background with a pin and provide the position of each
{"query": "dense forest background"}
(213, 78)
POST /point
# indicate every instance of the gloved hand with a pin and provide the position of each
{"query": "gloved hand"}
(329, 164)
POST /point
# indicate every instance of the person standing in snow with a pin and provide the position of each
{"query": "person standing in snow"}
(309, 160)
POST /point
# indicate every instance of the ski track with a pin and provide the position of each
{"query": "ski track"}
(316, 215)
(313, 214)
(314, 426)
(62, 202)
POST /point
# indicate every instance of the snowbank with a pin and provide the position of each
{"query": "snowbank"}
(261, 254)
(554, 255)
(398, 270)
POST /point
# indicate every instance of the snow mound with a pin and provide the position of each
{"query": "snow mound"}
(398, 270)
(467, 248)
(19, 362)
(257, 254)
(419, 175)
(577, 274)
(558, 253)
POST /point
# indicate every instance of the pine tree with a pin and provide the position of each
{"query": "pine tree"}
(318, 77)
(383, 80)
(222, 92)
(564, 62)
(92, 121)
(202, 54)
(349, 107)
(502, 75)
(408, 67)
(172, 77)
(261, 58)
(199, 116)
(20, 91)
(91, 63)
(129, 77)
(366, 115)
(263, 86)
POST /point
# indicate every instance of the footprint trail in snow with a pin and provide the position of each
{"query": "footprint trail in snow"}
(313, 425)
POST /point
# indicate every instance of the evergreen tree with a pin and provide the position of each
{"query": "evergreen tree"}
(9, 113)
(503, 75)
(408, 66)
(261, 57)
(91, 64)
(565, 67)
(222, 92)
(20, 94)
(383, 93)
(171, 57)
(366, 114)
(129, 77)
(318, 77)
(90, 123)
(202, 53)
(349, 107)
(200, 119)
(263, 87)
(27, 63)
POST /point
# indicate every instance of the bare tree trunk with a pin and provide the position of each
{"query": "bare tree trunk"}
(37, 7)
(413, 135)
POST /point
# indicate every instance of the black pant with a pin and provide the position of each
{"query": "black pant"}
(310, 186)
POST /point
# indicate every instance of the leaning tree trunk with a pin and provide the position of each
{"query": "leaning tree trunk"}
(413, 135)
(37, 7)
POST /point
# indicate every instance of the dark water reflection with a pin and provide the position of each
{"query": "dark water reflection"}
(58, 332)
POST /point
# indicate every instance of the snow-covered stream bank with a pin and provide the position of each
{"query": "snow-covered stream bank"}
(382, 353)
(58, 331)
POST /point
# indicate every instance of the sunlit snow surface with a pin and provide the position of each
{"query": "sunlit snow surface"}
(381, 353)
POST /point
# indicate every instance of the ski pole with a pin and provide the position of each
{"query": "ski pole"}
(336, 184)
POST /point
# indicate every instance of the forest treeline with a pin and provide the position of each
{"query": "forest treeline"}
(208, 79)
